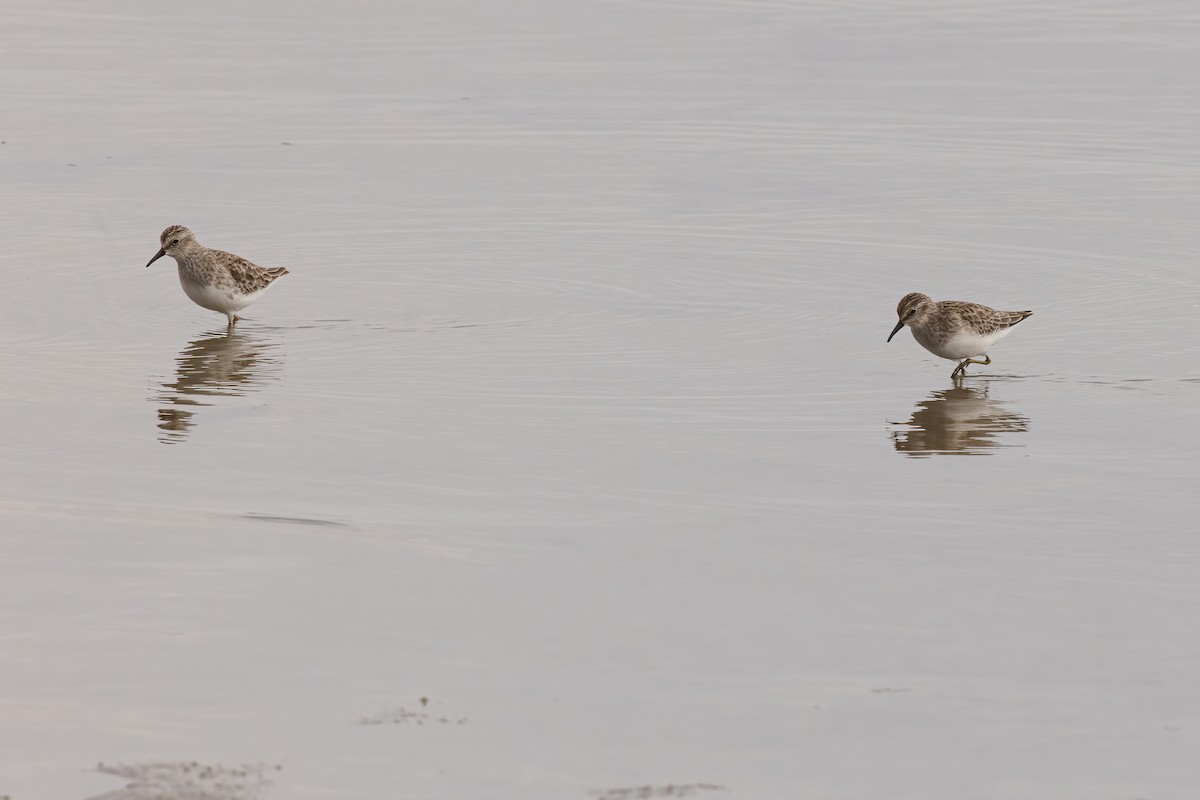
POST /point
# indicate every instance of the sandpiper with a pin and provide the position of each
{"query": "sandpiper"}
(953, 329)
(215, 279)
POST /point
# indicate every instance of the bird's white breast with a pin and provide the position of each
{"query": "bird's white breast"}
(214, 298)
(963, 344)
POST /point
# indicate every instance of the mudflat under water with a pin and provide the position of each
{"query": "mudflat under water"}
(569, 460)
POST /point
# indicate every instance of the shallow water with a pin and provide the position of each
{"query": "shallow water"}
(570, 460)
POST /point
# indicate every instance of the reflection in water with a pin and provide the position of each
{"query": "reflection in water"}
(219, 365)
(958, 421)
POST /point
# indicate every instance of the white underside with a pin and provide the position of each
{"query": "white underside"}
(963, 345)
(210, 297)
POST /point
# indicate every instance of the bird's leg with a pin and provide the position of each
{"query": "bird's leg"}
(961, 369)
(232, 319)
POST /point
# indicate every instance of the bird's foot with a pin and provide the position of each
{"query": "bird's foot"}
(961, 370)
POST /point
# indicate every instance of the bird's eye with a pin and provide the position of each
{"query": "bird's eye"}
(174, 241)
(911, 311)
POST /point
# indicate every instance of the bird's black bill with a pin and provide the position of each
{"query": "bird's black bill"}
(161, 252)
(895, 330)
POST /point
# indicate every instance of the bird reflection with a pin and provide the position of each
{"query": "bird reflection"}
(224, 364)
(958, 421)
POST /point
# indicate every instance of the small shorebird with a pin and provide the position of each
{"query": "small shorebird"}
(214, 279)
(953, 329)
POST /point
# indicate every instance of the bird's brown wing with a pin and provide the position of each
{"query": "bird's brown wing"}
(248, 275)
(1010, 318)
(983, 319)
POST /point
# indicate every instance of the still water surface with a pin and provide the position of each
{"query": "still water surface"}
(569, 460)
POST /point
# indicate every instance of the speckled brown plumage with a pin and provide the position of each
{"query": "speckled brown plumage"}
(215, 279)
(954, 329)
(247, 276)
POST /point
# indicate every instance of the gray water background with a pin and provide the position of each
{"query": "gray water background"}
(575, 416)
